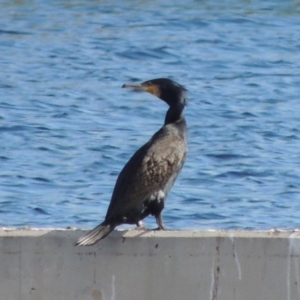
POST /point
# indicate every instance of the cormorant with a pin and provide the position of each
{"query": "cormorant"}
(145, 181)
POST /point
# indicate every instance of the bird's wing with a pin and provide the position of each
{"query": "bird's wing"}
(148, 171)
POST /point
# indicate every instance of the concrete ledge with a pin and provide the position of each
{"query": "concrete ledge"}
(143, 265)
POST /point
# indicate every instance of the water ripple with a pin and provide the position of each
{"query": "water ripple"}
(67, 127)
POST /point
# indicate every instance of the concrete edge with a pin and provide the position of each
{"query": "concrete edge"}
(241, 233)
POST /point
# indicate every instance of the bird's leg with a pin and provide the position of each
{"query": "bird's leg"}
(159, 222)
(157, 207)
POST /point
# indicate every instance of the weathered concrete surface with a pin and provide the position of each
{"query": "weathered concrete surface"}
(139, 265)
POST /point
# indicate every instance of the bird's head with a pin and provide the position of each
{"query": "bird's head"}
(166, 89)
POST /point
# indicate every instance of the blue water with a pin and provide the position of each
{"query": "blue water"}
(67, 127)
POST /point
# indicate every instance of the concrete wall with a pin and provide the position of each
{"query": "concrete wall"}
(139, 265)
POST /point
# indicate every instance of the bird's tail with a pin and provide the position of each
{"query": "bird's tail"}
(93, 236)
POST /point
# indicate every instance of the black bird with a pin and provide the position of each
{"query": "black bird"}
(145, 181)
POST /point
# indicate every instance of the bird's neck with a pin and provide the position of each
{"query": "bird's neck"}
(174, 114)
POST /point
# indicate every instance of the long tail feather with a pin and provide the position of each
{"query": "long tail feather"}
(95, 235)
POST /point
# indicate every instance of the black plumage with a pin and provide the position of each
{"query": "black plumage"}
(143, 184)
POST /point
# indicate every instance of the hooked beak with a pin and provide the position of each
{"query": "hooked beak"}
(135, 86)
(144, 86)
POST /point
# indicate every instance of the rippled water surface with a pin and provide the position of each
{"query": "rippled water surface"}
(67, 127)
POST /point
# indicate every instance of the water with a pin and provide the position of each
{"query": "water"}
(67, 128)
